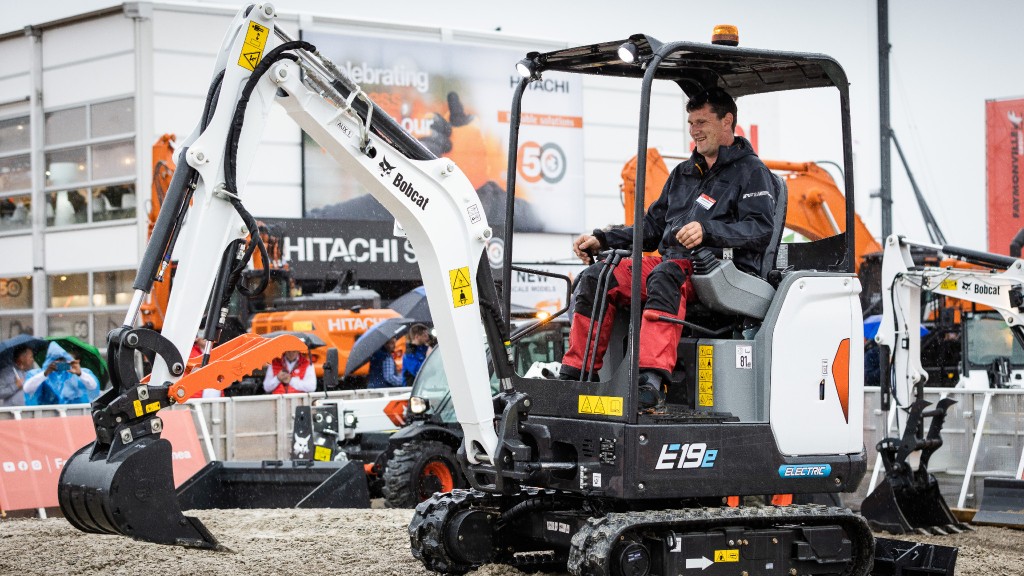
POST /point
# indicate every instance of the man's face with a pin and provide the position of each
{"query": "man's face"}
(24, 360)
(420, 339)
(708, 131)
(291, 355)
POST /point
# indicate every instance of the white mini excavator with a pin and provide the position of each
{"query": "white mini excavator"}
(765, 409)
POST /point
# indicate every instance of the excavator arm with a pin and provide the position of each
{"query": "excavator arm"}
(907, 499)
(204, 223)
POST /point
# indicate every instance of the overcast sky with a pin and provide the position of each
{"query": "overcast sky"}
(948, 57)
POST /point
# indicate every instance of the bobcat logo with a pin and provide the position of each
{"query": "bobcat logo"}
(966, 286)
(385, 167)
(301, 446)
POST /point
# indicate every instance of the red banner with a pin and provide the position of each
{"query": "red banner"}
(1004, 145)
(33, 452)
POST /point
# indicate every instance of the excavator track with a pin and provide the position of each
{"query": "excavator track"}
(605, 539)
(456, 532)
(429, 531)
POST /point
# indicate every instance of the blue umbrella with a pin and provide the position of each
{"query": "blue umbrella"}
(7, 346)
(413, 305)
(373, 339)
(871, 324)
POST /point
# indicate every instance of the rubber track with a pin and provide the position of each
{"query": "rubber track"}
(592, 545)
(426, 531)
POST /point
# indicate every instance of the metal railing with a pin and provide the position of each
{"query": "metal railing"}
(983, 435)
(233, 427)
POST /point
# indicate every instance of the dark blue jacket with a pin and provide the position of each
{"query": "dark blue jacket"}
(734, 202)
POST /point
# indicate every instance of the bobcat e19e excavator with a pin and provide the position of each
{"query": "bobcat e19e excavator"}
(565, 474)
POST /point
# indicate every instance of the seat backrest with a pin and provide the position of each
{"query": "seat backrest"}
(778, 225)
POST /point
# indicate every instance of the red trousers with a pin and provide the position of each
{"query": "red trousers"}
(665, 287)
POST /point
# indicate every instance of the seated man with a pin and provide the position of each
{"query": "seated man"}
(722, 198)
(290, 373)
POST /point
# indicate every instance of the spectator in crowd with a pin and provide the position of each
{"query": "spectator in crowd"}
(12, 378)
(383, 371)
(415, 352)
(290, 373)
(61, 380)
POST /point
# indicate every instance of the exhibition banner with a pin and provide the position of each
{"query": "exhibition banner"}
(33, 452)
(455, 99)
(319, 249)
(1004, 147)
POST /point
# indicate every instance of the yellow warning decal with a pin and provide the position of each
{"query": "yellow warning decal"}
(727, 555)
(462, 290)
(252, 50)
(152, 407)
(603, 405)
(322, 454)
(138, 408)
(303, 326)
(705, 375)
(948, 284)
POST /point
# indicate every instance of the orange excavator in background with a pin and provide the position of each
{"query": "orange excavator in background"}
(276, 309)
(817, 209)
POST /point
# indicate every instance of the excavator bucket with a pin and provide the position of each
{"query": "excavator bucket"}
(1002, 503)
(123, 483)
(129, 490)
(911, 509)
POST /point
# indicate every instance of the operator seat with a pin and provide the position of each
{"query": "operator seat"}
(721, 287)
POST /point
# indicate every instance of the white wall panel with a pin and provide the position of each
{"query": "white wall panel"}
(197, 33)
(87, 40)
(176, 114)
(107, 248)
(87, 81)
(277, 164)
(15, 74)
(273, 200)
(182, 74)
(601, 212)
(17, 251)
(14, 88)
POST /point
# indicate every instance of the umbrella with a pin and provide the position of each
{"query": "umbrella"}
(871, 324)
(309, 339)
(7, 347)
(413, 305)
(373, 339)
(88, 354)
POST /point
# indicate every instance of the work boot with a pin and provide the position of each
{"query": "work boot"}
(567, 372)
(651, 398)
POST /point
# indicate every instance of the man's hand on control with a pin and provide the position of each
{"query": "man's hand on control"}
(690, 235)
(584, 245)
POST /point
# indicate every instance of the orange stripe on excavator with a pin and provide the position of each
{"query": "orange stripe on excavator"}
(841, 375)
(230, 361)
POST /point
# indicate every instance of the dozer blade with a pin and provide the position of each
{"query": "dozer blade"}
(903, 558)
(900, 511)
(128, 490)
(1002, 503)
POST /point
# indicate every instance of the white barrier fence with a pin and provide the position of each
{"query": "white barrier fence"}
(983, 434)
(248, 427)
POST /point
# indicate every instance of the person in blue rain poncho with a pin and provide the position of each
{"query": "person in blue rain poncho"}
(61, 380)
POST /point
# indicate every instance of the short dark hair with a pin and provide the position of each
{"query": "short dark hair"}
(720, 100)
(19, 350)
(418, 330)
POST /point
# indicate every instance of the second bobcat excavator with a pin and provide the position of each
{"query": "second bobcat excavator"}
(565, 475)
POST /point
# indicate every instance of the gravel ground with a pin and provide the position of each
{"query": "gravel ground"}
(310, 542)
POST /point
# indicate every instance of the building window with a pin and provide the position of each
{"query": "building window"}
(13, 324)
(15, 175)
(88, 305)
(16, 293)
(90, 163)
(69, 290)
